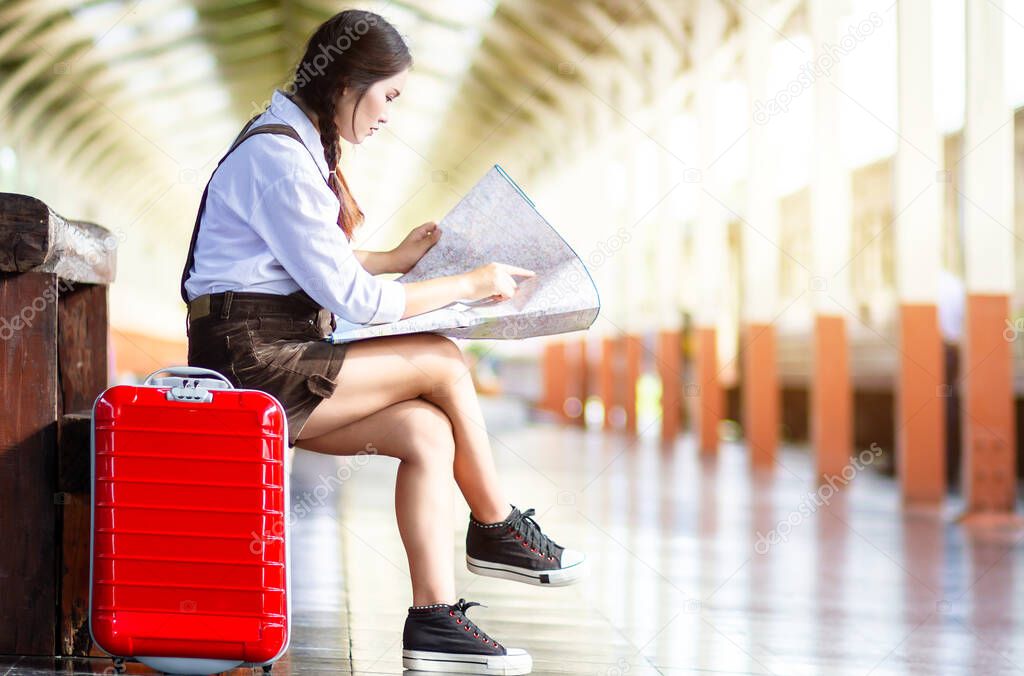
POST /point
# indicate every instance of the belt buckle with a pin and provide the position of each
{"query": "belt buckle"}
(199, 307)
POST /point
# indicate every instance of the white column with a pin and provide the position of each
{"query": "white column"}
(830, 179)
(684, 201)
(668, 247)
(761, 235)
(644, 219)
(918, 178)
(617, 238)
(593, 216)
(710, 234)
(988, 156)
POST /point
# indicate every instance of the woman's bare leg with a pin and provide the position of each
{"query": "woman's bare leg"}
(419, 434)
(381, 372)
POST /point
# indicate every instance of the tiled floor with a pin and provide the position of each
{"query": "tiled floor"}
(682, 581)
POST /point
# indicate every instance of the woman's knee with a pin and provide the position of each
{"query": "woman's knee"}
(441, 357)
(424, 433)
(433, 345)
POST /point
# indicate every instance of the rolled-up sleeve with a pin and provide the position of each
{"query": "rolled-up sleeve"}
(298, 221)
(392, 302)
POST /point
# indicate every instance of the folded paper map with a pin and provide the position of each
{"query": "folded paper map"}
(497, 222)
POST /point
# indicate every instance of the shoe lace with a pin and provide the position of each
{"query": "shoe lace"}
(531, 532)
(462, 606)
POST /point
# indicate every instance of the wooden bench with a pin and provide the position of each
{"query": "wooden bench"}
(54, 275)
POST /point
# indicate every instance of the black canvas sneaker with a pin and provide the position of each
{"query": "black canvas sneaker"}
(516, 549)
(441, 638)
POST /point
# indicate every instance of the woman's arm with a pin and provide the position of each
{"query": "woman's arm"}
(376, 262)
(404, 256)
(493, 280)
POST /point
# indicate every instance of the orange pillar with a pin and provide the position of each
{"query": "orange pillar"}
(669, 370)
(989, 438)
(554, 370)
(584, 384)
(576, 381)
(710, 402)
(831, 396)
(620, 370)
(632, 349)
(761, 394)
(920, 416)
(607, 379)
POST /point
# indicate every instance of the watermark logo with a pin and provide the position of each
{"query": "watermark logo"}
(813, 501)
(306, 503)
(79, 267)
(1013, 329)
(818, 67)
(327, 54)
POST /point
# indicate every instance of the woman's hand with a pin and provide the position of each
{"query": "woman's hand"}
(415, 244)
(494, 280)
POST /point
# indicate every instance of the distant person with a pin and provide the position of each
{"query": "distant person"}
(951, 325)
(269, 266)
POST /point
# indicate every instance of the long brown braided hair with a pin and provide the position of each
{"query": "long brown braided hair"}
(355, 49)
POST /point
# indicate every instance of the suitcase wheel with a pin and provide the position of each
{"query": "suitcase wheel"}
(119, 667)
(267, 668)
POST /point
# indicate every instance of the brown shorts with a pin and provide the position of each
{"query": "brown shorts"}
(268, 342)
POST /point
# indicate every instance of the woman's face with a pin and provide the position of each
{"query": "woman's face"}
(373, 108)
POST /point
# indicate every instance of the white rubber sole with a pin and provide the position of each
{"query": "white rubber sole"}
(542, 578)
(517, 661)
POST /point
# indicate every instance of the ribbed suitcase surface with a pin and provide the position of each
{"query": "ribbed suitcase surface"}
(189, 524)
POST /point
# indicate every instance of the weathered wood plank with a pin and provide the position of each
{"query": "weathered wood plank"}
(34, 237)
(82, 368)
(82, 345)
(28, 462)
(74, 492)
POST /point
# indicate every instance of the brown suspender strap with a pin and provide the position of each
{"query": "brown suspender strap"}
(247, 132)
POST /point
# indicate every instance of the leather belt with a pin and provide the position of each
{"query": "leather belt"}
(299, 305)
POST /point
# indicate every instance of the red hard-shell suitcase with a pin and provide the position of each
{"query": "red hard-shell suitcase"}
(189, 556)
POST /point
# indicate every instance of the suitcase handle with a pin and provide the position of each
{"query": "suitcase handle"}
(188, 371)
(194, 389)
